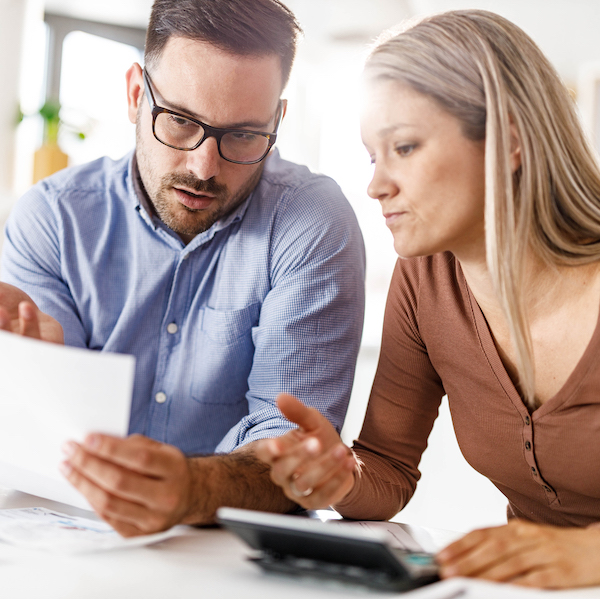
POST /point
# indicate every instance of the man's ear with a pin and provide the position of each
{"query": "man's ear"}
(515, 147)
(284, 104)
(135, 90)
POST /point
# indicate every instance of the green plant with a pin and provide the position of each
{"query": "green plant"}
(50, 113)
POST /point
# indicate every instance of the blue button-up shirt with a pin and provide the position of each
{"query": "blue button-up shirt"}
(269, 299)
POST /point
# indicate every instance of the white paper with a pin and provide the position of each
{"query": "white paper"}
(50, 394)
(47, 530)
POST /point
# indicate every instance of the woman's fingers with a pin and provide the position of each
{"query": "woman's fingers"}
(299, 458)
(311, 464)
(320, 470)
(321, 481)
(527, 554)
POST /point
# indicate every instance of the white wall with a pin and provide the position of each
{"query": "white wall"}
(12, 23)
(565, 30)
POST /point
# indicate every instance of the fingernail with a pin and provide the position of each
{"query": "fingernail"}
(448, 571)
(312, 446)
(340, 452)
(68, 448)
(65, 469)
(273, 447)
(25, 311)
(92, 442)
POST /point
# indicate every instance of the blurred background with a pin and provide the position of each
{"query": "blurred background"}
(76, 52)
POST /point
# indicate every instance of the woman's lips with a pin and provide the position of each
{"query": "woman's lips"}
(392, 217)
(193, 200)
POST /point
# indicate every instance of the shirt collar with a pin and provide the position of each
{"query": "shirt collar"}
(138, 187)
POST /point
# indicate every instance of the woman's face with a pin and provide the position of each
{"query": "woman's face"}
(429, 178)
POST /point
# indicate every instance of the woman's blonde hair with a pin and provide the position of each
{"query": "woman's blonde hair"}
(488, 73)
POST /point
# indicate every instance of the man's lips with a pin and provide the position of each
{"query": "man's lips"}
(192, 199)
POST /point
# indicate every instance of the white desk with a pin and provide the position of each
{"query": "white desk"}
(206, 564)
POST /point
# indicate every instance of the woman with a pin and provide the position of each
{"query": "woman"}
(493, 199)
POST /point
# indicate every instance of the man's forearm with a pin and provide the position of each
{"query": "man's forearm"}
(238, 479)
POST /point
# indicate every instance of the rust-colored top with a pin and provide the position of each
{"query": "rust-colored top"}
(436, 341)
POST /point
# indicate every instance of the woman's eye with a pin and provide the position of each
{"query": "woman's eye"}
(405, 150)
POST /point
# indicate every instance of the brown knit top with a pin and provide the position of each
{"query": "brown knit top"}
(436, 341)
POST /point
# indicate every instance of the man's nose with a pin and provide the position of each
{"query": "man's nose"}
(204, 162)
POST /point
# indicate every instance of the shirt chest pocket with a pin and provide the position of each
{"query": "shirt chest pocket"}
(223, 355)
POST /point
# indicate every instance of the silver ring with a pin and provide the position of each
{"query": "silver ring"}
(298, 493)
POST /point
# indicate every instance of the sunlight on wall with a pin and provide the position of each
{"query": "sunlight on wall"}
(93, 92)
(322, 130)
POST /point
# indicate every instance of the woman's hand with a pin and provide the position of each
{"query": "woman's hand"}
(527, 554)
(311, 464)
(18, 314)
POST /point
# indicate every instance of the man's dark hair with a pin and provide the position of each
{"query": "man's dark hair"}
(244, 27)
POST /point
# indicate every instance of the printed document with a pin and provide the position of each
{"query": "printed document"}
(46, 530)
(50, 394)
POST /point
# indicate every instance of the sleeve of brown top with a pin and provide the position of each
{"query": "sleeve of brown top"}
(402, 408)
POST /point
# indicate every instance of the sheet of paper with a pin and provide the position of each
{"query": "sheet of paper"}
(47, 530)
(52, 393)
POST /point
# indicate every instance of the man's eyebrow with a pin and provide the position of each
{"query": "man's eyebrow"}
(241, 125)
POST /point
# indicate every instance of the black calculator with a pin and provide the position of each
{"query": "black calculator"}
(301, 546)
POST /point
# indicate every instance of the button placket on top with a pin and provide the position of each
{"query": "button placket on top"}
(491, 352)
(169, 337)
(529, 452)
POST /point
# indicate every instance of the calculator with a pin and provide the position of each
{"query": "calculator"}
(300, 546)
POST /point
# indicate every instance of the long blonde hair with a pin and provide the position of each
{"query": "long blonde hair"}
(488, 73)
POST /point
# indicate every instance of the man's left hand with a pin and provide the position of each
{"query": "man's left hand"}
(20, 315)
(527, 554)
(139, 486)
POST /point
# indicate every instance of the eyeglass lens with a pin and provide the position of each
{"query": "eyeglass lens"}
(179, 132)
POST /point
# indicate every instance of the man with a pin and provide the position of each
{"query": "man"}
(229, 273)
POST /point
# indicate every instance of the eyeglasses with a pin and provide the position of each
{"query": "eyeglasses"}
(185, 133)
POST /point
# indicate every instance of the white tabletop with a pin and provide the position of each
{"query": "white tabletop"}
(204, 563)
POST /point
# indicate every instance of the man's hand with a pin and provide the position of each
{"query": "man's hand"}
(139, 486)
(311, 464)
(19, 314)
(527, 554)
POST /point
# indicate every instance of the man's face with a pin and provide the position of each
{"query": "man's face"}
(190, 191)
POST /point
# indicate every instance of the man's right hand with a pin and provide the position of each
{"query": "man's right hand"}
(311, 464)
(20, 315)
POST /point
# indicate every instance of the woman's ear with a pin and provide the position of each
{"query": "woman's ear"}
(515, 147)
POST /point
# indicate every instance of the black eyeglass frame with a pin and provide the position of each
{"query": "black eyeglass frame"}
(216, 132)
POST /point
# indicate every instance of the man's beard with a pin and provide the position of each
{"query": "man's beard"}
(222, 203)
(203, 219)
(167, 207)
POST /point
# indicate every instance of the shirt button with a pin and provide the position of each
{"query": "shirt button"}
(172, 328)
(186, 256)
(532, 469)
(160, 397)
(527, 445)
(546, 488)
(527, 420)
